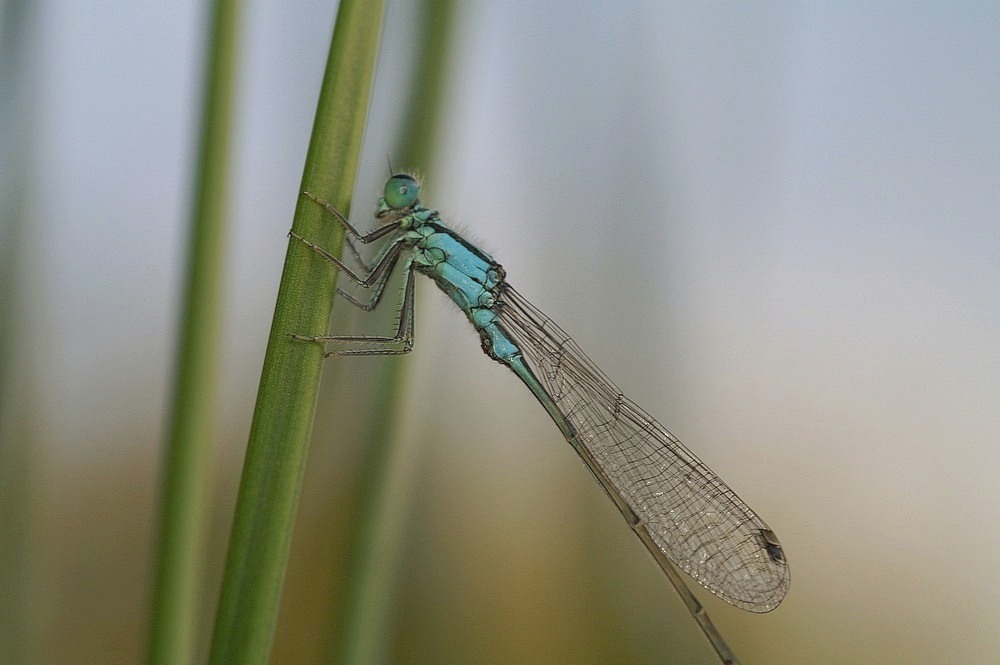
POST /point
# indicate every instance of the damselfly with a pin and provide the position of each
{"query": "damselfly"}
(681, 511)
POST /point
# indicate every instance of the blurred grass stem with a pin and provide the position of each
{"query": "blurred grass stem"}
(188, 454)
(387, 466)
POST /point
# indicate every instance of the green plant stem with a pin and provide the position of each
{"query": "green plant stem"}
(386, 482)
(187, 462)
(282, 422)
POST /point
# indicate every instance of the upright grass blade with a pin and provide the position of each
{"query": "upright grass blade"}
(384, 490)
(187, 460)
(419, 134)
(19, 454)
(279, 435)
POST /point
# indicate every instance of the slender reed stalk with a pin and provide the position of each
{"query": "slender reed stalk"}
(19, 445)
(187, 461)
(282, 422)
(384, 491)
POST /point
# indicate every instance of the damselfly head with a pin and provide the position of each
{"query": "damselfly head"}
(401, 191)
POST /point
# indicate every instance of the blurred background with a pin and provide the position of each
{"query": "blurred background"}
(774, 226)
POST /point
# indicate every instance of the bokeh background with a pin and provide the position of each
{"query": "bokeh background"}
(775, 225)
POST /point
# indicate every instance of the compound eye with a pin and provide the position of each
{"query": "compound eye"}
(401, 191)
